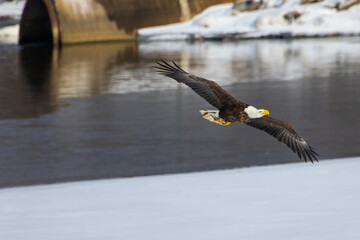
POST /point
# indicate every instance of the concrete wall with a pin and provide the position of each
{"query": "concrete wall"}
(74, 21)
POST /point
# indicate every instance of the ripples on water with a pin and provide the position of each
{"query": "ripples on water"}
(34, 80)
(112, 115)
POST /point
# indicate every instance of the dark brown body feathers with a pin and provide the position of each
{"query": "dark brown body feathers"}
(235, 114)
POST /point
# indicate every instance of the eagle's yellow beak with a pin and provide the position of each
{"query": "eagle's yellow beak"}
(265, 112)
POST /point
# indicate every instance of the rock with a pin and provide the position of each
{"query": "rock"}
(291, 16)
(247, 5)
(303, 2)
(346, 5)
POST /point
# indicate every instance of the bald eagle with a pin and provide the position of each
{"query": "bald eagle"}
(231, 110)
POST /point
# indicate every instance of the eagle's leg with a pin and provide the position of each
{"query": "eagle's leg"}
(219, 121)
(222, 122)
(213, 116)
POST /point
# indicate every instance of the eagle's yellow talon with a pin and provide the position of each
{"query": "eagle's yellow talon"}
(219, 120)
(226, 123)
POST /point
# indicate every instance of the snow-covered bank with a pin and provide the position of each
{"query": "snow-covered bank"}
(10, 13)
(292, 201)
(289, 18)
(274, 18)
(11, 9)
(9, 34)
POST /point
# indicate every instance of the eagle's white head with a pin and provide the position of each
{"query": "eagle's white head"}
(253, 112)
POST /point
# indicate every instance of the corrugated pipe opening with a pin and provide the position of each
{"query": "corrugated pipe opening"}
(38, 23)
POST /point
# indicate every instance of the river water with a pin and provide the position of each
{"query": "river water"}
(96, 111)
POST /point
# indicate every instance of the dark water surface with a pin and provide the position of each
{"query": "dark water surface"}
(100, 111)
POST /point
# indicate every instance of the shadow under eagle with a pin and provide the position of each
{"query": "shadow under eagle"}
(231, 110)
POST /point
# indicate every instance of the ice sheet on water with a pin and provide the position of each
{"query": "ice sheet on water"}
(289, 201)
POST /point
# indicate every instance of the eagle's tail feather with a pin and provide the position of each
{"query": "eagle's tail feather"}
(213, 116)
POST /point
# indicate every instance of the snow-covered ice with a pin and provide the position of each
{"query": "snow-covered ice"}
(289, 201)
(316, 19)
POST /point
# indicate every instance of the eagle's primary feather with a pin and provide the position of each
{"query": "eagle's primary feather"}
(209, 90)
(286, 134)
(233, 110)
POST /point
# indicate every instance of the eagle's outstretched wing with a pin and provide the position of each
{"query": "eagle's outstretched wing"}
(209, 90)
(285, 133)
